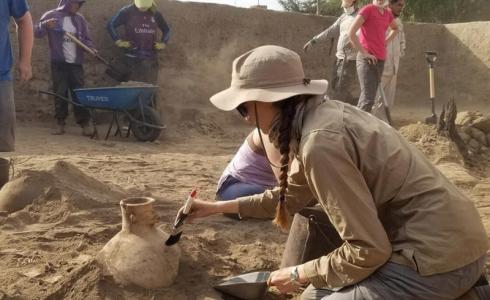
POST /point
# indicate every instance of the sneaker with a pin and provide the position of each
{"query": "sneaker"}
(59, 130)
(86, 131)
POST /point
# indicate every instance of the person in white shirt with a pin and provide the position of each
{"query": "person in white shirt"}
(344, 78)
(395, 49)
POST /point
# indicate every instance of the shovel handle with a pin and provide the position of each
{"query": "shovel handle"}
(432, 86)
(86, 48)
(79, 43)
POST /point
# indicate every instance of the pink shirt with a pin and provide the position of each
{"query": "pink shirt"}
(372, 36)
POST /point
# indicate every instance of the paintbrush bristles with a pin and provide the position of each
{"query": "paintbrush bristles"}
(282, 216)
(173, 239)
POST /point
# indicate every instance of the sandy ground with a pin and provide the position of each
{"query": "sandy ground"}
(47, 250)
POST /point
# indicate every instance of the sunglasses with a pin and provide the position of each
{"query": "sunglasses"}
(242, 110)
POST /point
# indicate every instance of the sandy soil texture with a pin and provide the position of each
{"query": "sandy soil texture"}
(47, 249)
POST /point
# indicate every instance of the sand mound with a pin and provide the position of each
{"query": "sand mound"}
(438, 149)
(48, 196)
(46, 213)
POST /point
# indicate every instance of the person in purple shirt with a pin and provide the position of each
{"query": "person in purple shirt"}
(66, 58)
(248, 173)
(140, 41)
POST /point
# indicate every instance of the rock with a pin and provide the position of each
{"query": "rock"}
(466, 137)
(488, 139)
(483, 124)
(23, 190)
(53, 279)
(479, 136)
(33, 273)
(473, 144)
(465, 118)
(81, 246)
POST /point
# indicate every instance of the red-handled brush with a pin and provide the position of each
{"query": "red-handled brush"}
(180, 220)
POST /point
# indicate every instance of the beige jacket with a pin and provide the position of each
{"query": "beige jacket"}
(395, 49)
(386, 200)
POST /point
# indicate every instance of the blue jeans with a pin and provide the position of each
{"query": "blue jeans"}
(232, 188)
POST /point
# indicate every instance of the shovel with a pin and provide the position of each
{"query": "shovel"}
(111, 70)
(431, 57)
(247, 286)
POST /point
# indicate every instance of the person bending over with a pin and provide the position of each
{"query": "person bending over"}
(407, 231)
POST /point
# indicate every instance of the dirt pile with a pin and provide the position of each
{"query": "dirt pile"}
(474, 129)
(62, 185)
(445, 155)
(437, 148)
(46, 203)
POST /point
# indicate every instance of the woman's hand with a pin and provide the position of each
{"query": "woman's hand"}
(201, 209)
(281, 279)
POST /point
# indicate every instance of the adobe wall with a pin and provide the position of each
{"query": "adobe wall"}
(206, 37)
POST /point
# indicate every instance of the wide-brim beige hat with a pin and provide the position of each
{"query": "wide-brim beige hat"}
(267, 74)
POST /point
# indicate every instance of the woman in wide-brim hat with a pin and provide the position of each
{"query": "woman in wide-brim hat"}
(407, 232)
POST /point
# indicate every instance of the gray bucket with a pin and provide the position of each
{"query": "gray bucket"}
(4, 171)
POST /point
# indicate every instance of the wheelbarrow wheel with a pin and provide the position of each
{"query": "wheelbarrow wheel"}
(145, 133)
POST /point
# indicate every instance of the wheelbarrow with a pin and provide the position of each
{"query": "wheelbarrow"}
(134, 102)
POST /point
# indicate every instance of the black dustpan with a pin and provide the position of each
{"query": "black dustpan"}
(247, 286)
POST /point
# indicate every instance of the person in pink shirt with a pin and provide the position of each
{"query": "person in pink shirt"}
(373, 21)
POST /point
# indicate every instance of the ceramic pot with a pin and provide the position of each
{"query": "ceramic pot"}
(137, 255)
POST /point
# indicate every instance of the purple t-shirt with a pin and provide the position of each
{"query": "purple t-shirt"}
(249, 167)
(373, 31)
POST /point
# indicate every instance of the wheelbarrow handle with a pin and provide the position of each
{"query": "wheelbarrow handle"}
(60, 97)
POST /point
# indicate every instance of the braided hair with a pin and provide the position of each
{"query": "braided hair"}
(280, 135)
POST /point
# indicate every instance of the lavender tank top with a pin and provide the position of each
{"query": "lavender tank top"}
(249, 167)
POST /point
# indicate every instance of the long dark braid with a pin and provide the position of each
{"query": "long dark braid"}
(280, 135)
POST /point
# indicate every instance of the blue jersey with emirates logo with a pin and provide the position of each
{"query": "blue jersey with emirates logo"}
(140, 28)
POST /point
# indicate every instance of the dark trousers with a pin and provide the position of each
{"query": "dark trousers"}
(344, 85)
(369, 79)
(67, 77)
(143, 70)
